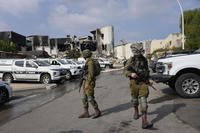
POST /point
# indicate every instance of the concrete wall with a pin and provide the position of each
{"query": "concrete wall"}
(123, 51)
(172, 40)
(156, 44)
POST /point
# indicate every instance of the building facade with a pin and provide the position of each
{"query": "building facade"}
(172, 40)
(104, 38)
(53, 46)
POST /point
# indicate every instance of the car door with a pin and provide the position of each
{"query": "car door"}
(18, 70)
(32, 72)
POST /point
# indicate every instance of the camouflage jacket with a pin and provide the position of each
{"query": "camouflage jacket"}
(89, 70)
(137, 64)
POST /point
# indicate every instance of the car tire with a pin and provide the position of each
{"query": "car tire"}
(3, 96)
(68, 75)
(8, 78)
(188, 85)
(45, 79)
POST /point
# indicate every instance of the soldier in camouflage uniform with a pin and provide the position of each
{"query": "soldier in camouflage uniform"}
(138, 73)
(88, 87)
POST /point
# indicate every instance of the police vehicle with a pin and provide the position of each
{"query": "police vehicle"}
(29, 70)
(74, 70)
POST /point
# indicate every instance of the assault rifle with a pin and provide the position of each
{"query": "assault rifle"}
(83, 74)
(141, 77)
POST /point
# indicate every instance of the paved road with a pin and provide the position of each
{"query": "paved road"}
(112, 92)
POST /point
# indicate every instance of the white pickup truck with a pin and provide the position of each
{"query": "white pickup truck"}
(29, 70)
(181, 73)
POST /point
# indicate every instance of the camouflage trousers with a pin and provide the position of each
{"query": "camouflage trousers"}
(139, 94)
(88, 95)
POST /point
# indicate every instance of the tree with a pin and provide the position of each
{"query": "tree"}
(192, 28)
(7, 46)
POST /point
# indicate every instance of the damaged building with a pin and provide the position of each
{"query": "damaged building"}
(101, 42)
(14, 37)
(104, 38)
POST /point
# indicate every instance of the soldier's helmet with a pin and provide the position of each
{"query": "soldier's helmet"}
(86, 53)
(137, 48)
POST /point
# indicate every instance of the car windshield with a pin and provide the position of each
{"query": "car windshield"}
(197, 51)
(42, 63)
(64, 62)
(79, 62)
(71, 62)
(46, 61)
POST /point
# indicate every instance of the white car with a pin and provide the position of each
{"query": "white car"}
(5, 92)
(105, 63)
(181, 73)
(29, 70)
(74, 62)
(72, 69)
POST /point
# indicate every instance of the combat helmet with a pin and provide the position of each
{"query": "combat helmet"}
(137, 48)
(86, 53)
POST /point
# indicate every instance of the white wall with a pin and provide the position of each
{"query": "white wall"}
(123, 51)
(108, 39)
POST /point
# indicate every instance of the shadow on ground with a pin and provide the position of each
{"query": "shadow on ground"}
(165, 110)
(170, 94)
(71, 131)
(116, 109)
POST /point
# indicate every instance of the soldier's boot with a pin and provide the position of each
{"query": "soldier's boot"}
(85, 114)
(136, 113)
(97, 113)
(145, 123)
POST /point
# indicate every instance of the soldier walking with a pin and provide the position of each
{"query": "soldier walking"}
(88, 86)
(138, 73)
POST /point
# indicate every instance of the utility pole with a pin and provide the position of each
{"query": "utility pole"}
(183, 35)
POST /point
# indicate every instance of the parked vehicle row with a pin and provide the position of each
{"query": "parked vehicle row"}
(30, 70)
(72, 68)
(45, 70)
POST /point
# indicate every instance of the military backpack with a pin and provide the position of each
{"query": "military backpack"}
(97, 68)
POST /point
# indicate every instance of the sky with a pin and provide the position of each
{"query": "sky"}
(133, 20)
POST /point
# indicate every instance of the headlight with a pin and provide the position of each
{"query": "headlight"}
(169, 65)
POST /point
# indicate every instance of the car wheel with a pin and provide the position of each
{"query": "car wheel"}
(46, 79)
(8, 78)
(68, 75)
(188, 85)
(3, 96)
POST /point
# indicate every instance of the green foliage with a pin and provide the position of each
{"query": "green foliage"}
(192, 28)
(7, 46)
(162, 51)
(74, 54)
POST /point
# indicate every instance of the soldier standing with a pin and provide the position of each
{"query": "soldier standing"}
(88, 87)
(138, 73)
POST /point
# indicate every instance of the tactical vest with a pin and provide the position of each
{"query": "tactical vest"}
(140, 67)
